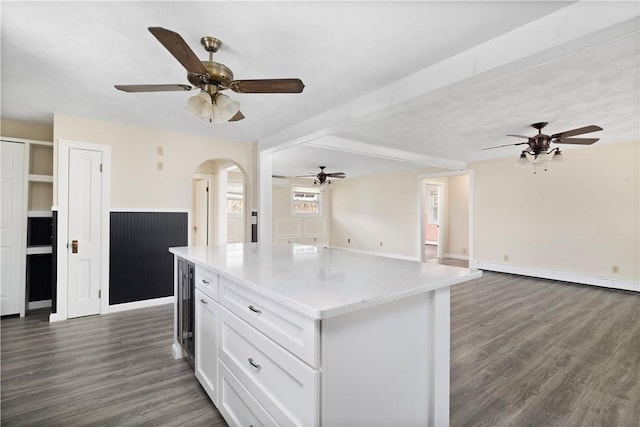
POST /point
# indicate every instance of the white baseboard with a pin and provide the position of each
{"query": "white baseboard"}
(33, 305)
(384, 254)
(463, 257)
(627, 285)
(141, 304)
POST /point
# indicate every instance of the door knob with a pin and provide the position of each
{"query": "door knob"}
(74, 246)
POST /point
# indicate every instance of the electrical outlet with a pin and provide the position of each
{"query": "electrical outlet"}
(464, 250)
(615, 269)
(506, 257)
(348, 240)
(160, 150)
(159, 165)
(380, 244)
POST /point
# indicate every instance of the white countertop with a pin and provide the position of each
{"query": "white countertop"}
(320, 282)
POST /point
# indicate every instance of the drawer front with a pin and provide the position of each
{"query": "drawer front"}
(284, 385)
(293, 331)
(236, 404)
(207, 282)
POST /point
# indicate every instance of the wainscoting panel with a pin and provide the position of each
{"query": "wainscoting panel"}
(140, 265)
(287, 228)
(314, 227)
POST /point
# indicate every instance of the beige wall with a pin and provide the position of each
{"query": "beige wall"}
(457, 215)
(135, 181)
(312, 230)
(25, 130)
(580, 217)
(378, 208)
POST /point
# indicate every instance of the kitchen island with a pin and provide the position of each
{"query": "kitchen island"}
(290, 334)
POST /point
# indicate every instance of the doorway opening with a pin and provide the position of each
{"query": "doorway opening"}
(219, 189)
(446, 218)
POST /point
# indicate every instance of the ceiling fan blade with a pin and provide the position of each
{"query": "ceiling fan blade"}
(237, 117)
(180, 50)
(337, 175)
(152, 88)
(506, 145)
(578, 131)
(520, 136)
(579, 141)
(306, 176)
(267, 86)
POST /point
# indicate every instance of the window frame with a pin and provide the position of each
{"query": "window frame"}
(305, 189)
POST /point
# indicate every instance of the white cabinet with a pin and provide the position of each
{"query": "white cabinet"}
(267, 360)
(206, 342)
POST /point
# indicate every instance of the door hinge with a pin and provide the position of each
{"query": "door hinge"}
(99, 293)
(100, 167)
(207, 189)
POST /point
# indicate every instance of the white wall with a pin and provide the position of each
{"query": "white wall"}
(136, 183)
(579, 217)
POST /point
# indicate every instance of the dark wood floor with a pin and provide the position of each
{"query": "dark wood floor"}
(110, 370)
(528, 352)
(524, 352)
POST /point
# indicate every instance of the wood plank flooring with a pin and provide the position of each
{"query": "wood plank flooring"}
(524, 352)
(110, 370)
(530, 352)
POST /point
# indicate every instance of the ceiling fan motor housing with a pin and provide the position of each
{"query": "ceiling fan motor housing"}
(217, 74)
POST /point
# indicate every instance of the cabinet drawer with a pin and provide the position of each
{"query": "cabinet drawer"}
(207, 282)
(295, 332)
(284, 385)
(236, 404)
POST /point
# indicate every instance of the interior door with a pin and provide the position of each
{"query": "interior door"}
(201, 220)
(84, 239)
(11, 219)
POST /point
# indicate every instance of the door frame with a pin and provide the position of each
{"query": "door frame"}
(442, 214)
(61, 183)
(427, 177)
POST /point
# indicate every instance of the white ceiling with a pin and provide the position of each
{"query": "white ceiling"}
(388, 82)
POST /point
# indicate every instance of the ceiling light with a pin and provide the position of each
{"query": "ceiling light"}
(224, 108)
(216, 107)
(200, 105)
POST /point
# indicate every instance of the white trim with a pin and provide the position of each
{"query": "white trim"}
(33, 305)
(382, 254)
(463, 257)
(63, 219)
(604, 282)
(39, 250)
(150, 210)
(114, 308)
(26, 141)
(39, 214)
(421, 178)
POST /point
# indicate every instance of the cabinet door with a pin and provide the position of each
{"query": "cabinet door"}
(207, 344)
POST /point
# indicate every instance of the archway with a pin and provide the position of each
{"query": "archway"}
(219, 190)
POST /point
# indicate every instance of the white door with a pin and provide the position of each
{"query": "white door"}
(201, 220)
(85, 207)
(11, 219)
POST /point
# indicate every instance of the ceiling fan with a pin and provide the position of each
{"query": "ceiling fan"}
(539, 143)
(211, 78)
(321, 177)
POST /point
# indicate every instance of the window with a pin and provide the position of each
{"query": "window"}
(235, 198)
(306, 201)
(433, 207)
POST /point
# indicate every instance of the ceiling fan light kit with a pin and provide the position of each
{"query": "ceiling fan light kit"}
(211, 78)
(540, 151)
(321, 179)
